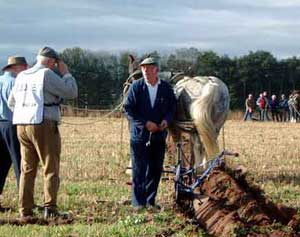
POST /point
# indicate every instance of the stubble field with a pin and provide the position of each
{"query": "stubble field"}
(94, 186)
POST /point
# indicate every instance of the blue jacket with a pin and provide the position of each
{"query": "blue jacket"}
(283, 104)
(7, 81)
(138, 109)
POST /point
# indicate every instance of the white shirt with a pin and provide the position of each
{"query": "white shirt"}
(152, 91)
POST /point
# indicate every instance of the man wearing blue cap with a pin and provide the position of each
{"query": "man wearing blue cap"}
(150, 107)
(9, 144)
(35, 100)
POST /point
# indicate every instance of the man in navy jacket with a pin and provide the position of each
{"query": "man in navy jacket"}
(150, 107)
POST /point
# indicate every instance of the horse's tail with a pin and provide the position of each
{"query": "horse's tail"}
(202, 114)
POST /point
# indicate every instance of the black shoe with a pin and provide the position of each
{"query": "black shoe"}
(53, 213)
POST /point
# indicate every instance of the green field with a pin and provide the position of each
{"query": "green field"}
(94, 190)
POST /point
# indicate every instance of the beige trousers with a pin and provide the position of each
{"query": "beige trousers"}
(39, 143)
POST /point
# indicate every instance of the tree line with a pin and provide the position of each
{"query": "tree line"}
(100, 75)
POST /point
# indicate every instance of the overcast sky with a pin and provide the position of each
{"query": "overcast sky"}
(232, 27)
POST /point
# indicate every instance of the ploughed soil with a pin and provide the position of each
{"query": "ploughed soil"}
(226, 205)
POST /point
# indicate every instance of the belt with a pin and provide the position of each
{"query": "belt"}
(52, 104)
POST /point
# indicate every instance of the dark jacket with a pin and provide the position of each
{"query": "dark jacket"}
(283, 104)
(250, 104)
(138, 109)
(274, 105)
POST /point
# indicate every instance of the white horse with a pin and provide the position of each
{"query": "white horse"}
(202, 109)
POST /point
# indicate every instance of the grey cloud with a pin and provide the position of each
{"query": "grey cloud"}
(225, 26)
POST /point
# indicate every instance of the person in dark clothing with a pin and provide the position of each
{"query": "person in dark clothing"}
(267, 108)
(274, 106)
(9, 144)
(149, 107)
(284, 109)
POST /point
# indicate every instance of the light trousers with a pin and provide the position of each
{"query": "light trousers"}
(39, 143)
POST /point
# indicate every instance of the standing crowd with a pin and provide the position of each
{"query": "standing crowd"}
(273, 109)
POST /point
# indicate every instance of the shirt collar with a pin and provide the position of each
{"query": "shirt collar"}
(39, 65)
(148, 84)
(7, 73)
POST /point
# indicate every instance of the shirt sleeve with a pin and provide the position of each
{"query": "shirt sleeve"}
(11, 100)
(64, 87)
(258, 101)
(9, 88)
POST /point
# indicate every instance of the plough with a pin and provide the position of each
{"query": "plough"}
(186, 180)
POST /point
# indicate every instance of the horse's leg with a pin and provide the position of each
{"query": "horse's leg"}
(175, 134)
(197, 151)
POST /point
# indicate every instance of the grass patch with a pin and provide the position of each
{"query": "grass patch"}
(93, 183)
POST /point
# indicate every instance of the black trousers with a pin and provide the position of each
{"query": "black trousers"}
(147, 164)
(9, 152)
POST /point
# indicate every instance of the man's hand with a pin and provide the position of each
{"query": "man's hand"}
(62, 67)
(152, 127)
(163, 125)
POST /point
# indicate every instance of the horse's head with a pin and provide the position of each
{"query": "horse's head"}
(133, 65)
(134, 73)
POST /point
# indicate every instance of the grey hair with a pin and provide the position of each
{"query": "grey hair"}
(42, 59)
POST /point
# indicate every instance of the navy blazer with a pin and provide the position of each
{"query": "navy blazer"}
(138, 109)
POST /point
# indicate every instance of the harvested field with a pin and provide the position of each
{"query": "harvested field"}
(94, 190)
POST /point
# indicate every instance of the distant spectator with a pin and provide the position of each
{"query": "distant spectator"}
(291, 109)
(262, 105)
(284, 109)
(265, 95)
(250, 106)
(294, 105)
(274, 106)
